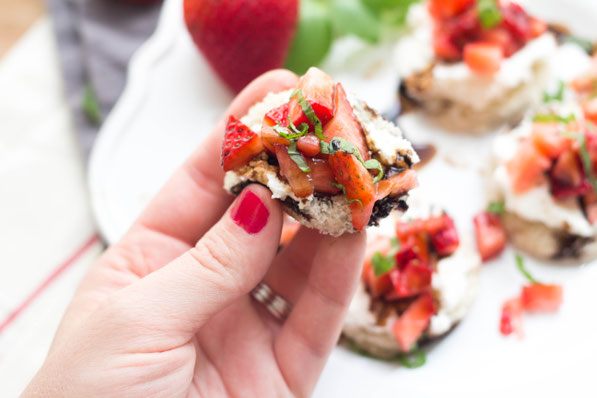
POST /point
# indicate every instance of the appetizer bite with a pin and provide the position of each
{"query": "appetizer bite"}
(419, 280)
(473, 64)
(545, 176)
(334, 163)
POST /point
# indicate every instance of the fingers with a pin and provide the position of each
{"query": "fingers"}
(193, 200)
(225, 264)
(314, 325)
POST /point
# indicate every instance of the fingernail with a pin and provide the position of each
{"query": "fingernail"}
(250, 213)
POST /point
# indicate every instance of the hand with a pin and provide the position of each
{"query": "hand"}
(166, 312)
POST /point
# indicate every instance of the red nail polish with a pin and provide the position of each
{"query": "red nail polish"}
(250, 213)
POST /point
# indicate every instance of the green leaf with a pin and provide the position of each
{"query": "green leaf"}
(297, 157)
(309, 112)
(352, 17)
(585, 157)
(382, 264)
(339, 144)
(582, 43)
(413, 359)
(296, 132)
(496, 208)
(91, 105)
(313, 37)
(558, 95)
(489, 13)
(550, 118)
(343, 188)
(523, 270)
(391, 12)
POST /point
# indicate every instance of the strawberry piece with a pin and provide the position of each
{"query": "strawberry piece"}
(517, 21)
(567, 177)
(322, 176)
(547, 139)
(590, 203)
(490, 235)
(537, 27)
(347, 169)
(309, 145)
(444, 9)
(409, 327)
(538, 297)
(590, 109)
(445, 240)
(240, 145)
(483, 58)
(397, 185)
(414, 249)
(501, 37)
(444, 47)
(317, 88)
(301, 184)
(410, 281)
(277, 115)
(242, 39)
(270, 138)
(377, 285)
(527, 168)
(511, 317)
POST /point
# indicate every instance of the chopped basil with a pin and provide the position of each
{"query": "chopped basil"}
(582, 43)
(309, 112)
(297, 157)
(282, 132)
(523, 270)
(382, 264)
(343, 188)
(496, 208)
(338, 144)
(558, 95)
(413, 359)
(489, 13)
(91, 105)
(549, 118)
(585, 157)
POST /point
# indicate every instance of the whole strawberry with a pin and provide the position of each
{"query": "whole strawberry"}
(242, 39)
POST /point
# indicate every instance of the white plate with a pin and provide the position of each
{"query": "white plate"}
(173, 99)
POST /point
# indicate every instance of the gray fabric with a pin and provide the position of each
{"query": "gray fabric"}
(96, 39)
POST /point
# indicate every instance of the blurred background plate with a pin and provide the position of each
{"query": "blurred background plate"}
(173, 99)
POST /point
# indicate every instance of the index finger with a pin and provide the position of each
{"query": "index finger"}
(193, 199)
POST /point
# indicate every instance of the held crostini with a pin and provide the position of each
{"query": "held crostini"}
(545, 176)
(334, 163)
(473, 64)
(419, 280)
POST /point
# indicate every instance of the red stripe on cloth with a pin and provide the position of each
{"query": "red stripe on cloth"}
(48, 281)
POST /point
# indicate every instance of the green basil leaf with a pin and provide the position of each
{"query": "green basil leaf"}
(373, 164)
(523, 270)
(414, 359)
(309, 112)
(558, 95)
(391, 12)
(282, 132)
(382, 264)
(489, 13)
(549, 118)
(343, 188)
(351, 17)
(338, 144)
(586, 45)
(297, 157)
(313, 37)
(91, 106)
(496, 208)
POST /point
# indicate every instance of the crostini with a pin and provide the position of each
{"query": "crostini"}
(334, 163)
(473, 64)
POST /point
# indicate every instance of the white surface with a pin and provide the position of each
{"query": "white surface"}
(173, 99)
(44, 212)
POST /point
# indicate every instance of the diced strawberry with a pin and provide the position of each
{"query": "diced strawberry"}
(241, 144)
(444, 47)
(490, 235)
(567, 177)
(590, 203)
(299, 181)
(309, 145)
(397, 185)
(444, 9)
(377, 285)
(278, 115)
(548, 139)
(590, 109)
(270, 138)
(511, 317)
(445, 240)
(347, 169)
(405, 229)
(517, 21)
(410, 281)
(411, 324)
(414, 249)
(538, 27)
(318, 88)
(483, 58)
(501, 37)
(322, 176)
(583, 84)
(527, 168)
(538, 297)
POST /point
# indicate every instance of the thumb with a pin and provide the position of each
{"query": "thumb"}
(227, 263)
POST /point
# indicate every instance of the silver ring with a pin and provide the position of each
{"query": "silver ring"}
(275, 304)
